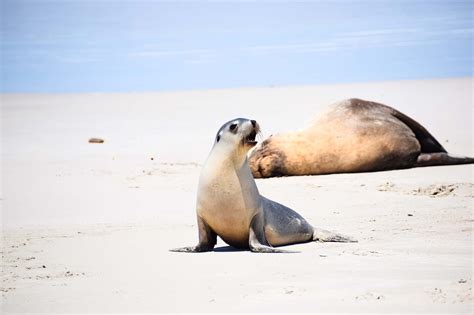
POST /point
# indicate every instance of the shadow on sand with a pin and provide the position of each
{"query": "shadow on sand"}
(227, 249)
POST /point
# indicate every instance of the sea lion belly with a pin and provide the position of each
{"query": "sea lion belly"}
(226, 207)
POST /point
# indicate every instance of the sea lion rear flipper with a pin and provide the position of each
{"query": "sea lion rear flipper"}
(441, 158)
(257, 240)
(320, 235)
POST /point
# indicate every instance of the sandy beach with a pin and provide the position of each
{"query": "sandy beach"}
(87, 227)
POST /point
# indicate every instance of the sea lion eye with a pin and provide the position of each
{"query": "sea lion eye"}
(233, 127)
(218, 138)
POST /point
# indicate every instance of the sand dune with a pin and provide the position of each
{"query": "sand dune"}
(87, 226)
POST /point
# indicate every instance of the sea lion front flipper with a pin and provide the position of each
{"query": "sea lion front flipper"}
(207, 239)
(257, 240)
(189, 249)
(428, 143)
(320, 235)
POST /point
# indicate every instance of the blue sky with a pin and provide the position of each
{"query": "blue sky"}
(124, 46)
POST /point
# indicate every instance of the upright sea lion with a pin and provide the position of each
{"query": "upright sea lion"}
(352, 136)
(229, 204)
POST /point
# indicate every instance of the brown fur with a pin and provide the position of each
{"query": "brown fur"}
(352, 136)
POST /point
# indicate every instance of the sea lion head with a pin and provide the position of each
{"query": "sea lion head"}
(238, 135)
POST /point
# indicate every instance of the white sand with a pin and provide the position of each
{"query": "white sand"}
(100, 218)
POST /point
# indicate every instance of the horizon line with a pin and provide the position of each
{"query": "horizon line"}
(269, 86)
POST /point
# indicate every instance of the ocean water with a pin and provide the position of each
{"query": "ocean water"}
(127, 46)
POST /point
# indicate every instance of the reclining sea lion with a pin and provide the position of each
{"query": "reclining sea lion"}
(352, 136)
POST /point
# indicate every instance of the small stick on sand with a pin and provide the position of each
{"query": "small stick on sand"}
(96, 140)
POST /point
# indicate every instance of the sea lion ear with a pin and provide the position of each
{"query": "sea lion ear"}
(218, 138)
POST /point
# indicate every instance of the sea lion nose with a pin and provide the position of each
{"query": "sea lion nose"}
(254, 123)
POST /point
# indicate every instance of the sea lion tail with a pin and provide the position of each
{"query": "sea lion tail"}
(442, 158)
